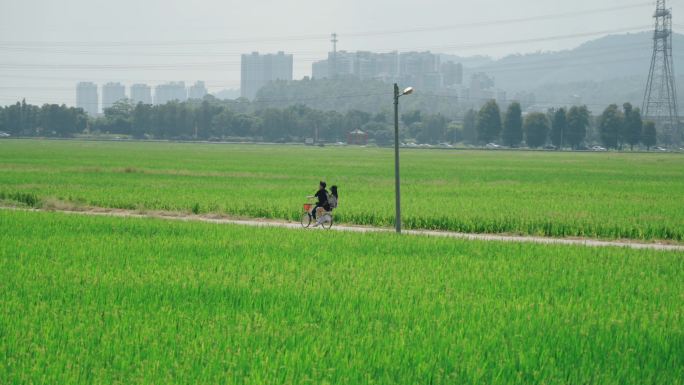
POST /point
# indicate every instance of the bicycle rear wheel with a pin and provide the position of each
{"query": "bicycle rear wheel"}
(327, 224)
(306, 220)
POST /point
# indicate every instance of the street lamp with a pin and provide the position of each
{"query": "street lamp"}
(397, 95)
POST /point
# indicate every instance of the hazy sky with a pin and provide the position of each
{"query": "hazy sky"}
(48, 46)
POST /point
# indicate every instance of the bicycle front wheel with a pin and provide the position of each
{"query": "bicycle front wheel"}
(306, 220)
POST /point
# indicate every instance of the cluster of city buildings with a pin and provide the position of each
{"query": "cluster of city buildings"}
(87, 95)
(258, 70)
(423, 70)
(420, 69)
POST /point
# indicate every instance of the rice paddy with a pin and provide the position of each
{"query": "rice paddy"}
(596, 195)
(100, 300)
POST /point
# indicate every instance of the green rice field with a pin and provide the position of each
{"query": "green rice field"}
(597, 195)
(102, 300)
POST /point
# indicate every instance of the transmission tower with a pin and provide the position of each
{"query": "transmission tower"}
(333, 65)
(660, 98)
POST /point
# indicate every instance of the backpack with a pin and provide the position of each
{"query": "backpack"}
(332, 201)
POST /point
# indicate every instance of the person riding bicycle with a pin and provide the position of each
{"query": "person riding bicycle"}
(322, 196)
(332, 198)
(329, 207)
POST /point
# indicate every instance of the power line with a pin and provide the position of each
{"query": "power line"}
(504, 21)
(560, 56)
(223, 64)
(306, 55)
(94, 52)
(467, 46)
(320, 36)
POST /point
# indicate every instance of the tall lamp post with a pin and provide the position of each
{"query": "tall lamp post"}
(397, 95)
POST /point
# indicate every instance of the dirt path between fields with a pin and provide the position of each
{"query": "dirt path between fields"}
(364, 229)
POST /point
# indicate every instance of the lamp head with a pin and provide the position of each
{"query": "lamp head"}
(407, 91)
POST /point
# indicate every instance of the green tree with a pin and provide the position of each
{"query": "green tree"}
(577, 120)
(334, 127)
(22, 118)
(119, 117)
(204, 117)
(536, 129)
(273, 124)
(141, 120)
(244, 125)
(611, 123)
(61, 120)
(411, 117)
(470, 127)
(380, 132)
(433, 129)
(454, 132)
(559, 127)
(356, 118)
(13, 119)
(381, 117)
(489, 122)
(649, 138)
(220, 124)
(632, 126)
(512, 128)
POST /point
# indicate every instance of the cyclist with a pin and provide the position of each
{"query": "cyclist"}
(322, 196)
(332, 198)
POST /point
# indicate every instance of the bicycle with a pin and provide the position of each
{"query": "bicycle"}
(307, 216)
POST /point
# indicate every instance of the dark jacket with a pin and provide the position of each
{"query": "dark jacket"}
(322, 196)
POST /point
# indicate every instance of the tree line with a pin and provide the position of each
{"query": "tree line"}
(560, 127)
(24, 119)
(213, 119)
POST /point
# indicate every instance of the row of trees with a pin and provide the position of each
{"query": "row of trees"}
(207, 120)
(560, 127)
(621, 128)
(48, 120)
(212, 119)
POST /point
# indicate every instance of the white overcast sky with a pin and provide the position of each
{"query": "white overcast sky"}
(47, 46)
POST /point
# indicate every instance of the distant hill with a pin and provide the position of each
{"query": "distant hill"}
(607, 70)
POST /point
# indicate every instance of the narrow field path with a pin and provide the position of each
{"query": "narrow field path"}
(367, 229)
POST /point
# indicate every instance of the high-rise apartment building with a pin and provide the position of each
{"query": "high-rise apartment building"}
(418, 63)
(259, 70)
(481, 87)
(165, 93)
(420, 69)
(452, 73)
(112, 93)
(341, 64)
(197, 91)
(387, 65)
(141, 93)
(87, 97)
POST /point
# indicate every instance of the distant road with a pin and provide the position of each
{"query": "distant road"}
(333, 145)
